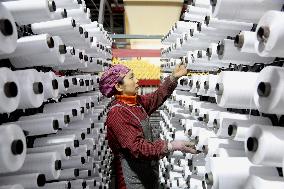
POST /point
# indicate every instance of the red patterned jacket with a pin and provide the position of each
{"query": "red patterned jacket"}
(125, 133)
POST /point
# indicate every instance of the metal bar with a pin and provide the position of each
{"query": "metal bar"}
(93, 3)
(110, 16)
(101, 12)
(108, 6)
(111, 23)
(126, 36)
(121, 43)
(116, 29)
(136, 53)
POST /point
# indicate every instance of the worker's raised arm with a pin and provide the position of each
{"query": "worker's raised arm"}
(151, 102)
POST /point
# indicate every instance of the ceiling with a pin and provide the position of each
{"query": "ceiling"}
(117, 11)
(137, 17)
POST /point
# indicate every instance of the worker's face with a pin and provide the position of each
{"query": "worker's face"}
(129, 86)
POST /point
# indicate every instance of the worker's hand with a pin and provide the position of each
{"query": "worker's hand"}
(183, 146)
(180, 70)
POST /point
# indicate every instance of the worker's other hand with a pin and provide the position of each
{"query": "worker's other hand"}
(180, 70)
(183, 146)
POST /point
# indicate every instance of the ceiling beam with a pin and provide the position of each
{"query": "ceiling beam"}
(136, 53)
(127, 36)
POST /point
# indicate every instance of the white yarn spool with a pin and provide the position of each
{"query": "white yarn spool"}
(238, 128)
(52, 58)
(200, 108)
(73, 109)
(55, 27)
(212, 31)
(40, 126)
(221, 177)
(63, 118)
(82, 14)
(226, 50)
(192, 83)
(8, 31)
(268, 96)
(222, 9)
(50, 85)
(31, 87)
(236, 89)
(12, 147)
(199, 170)
(47, 163)
(31, 11)
(203, 137)
(199, 10)
(10, 92)
(208, 36)
(29, 181)
(227, 152)
(79, 134)
(58, 185)
(193, 43)
(258, 145)
(60, 13)
(54, 140)
(84, 174)
(209, 86)
(80, 101)
(203, 79)
(31, 45)
(262, 182)
(67, 4)
(227, 24)
(70, 55)
(64, 150)
(15, 186)
(270, 34)
(201, 3)
(78, 183)
(193, 17)
(183, 27)
(246, 41)
(215, 143)
(67, 174)
(196, 182)
(63, 84)
(222, 121)
(209, 117)
(73, 162)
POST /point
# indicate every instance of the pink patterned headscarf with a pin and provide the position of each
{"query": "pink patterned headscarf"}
(111, 77)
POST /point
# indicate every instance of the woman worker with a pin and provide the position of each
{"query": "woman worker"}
(129, 132)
